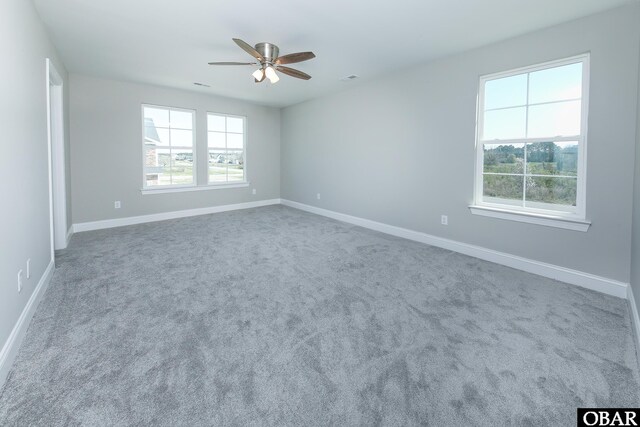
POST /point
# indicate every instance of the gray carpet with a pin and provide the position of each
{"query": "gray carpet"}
(274, 316)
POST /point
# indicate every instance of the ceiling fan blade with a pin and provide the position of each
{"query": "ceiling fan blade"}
(233, 63)
(249, 49)
(295, 57)
(293, 73)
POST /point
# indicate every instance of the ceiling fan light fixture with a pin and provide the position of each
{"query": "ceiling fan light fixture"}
(258, 74)
(271, 74)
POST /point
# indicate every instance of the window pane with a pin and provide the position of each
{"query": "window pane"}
(156, 136)
(234, 157)
(567, 158)
(183, 156)
(218, 173)
(181, 119)
(217, 166)
(217, 156)
(182, 174)
(235, 160)
(504, 124)
(503, 187)
(217, 140)
(216, 123)
(182, 167)
(236, 173)
(556, 84)
(157, 166)
(551, 189)
(164, 158)
(500, 158)
(549, 158)
(181, 138)
(151, 178)
(235, 124)
(151, 135)
(156, 117)
(235, 140)
(558, 119)
(505, 92)
(152, 160)
(235, 165)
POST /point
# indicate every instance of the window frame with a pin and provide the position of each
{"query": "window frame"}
(540, 215)
(226, 184)
(193, 148)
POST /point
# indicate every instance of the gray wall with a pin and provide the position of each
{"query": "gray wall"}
(635, 245)
(400, 150)
(106, 149)
(24, 175)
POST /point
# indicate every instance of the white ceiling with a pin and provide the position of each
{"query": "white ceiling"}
(169, 42)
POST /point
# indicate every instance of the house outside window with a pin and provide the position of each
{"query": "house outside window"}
(531, 140)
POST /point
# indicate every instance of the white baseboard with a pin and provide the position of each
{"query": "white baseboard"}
(119, 222)
(635, 317)
(69, 234)
(12, 345)
(574, 277)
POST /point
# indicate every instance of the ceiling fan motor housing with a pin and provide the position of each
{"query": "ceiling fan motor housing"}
(269, 51)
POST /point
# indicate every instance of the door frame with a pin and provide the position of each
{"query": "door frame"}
(57, 178)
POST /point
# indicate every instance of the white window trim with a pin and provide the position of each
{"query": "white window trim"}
(549, 220)
(175, 187)
(182, 189)
(245, 140)
(569, 220)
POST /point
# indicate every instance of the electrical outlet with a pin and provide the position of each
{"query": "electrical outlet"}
(20, 281)
(318, 196)
(444, 220)
(29, 268)
(253, 191)
(116, 204)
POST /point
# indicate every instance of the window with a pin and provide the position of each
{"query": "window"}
(226, 144)
(531, 139)
(168, 143)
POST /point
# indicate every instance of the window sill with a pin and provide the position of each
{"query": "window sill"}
(531, 218)
(146, 191)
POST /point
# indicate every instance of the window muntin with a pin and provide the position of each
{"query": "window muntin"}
(226, 138)
(168, 144)
(532, 138)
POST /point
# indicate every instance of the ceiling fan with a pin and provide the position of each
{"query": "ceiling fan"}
(270, 62)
